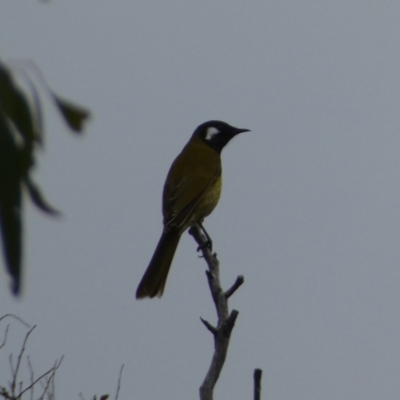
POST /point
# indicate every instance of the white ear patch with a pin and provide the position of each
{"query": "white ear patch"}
(211, 132)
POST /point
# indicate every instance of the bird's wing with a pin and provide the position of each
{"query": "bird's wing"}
(193, 172)
(184, 197)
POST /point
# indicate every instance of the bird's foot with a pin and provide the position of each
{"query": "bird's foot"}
(206, 244)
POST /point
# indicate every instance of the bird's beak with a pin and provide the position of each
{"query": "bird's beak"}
(239, 130)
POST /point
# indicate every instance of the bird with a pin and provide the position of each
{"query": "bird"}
(191, 192)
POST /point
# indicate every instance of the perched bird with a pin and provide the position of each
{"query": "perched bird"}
(191, 192)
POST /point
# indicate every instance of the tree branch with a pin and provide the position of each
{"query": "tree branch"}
(15, 317)
(15, 374)
(51, 371)
(257, 383)
(226, 320)
(119, 381)
(5, 336)
(239, 282)
(211, 328)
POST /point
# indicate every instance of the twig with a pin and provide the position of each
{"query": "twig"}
(17, 318)
(211, 328)
(119, 381)
(32, 375)
(226, 320)
(4, 393)
(10, 360)
(52, 371)
(49, 381)
(14, 378)
(239, 282)
(5, 336)
(257, 383)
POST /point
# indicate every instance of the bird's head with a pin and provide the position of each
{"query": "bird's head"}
(217, 134)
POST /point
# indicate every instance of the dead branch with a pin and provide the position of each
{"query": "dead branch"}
(32, 375)
(50, 372)
(15, 372)
(15, 317)
(17, 388)
(257, 383)
(239, 282)
(119, 382)
(5, 336)
(226, 320)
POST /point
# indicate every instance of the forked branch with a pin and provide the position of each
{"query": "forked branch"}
(226, 320)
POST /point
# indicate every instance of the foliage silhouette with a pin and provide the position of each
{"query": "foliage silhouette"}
(21, 135)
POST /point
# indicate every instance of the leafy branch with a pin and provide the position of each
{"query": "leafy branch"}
(21, 135)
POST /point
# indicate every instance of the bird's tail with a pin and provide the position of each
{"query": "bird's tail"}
(155, 277)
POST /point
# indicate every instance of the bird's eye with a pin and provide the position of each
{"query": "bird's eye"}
(211, 132)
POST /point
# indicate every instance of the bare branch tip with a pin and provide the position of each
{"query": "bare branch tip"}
(232, 318)
(16, 317)
(119, 381)
(257, 383)
(5, 336)
(239, 282)
(211, 328)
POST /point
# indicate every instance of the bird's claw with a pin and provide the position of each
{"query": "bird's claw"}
(206, 244)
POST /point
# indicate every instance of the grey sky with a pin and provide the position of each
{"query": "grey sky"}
(309, 211)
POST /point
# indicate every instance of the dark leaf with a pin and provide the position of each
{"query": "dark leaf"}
(38, 198)
(10, 203)
(26, 160)
(38, 114)
(15, 105)
(73, 115)
(23, 119)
